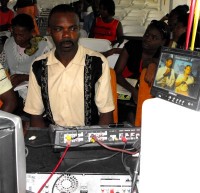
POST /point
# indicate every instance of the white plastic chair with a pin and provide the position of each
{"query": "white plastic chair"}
(139, 4)
(155, 15)
(112, 60)
(121, 13)
(125, 3)
(99, 45)
(153, 5)
(135, 31)
(133, 23)
(137, 14)
(135, 18)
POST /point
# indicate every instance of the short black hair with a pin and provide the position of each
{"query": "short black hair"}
(109, 5)
(61, 8)
(23, 20)
(170, 58)
(180, 10)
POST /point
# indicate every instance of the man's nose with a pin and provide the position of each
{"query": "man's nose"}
(66, 33)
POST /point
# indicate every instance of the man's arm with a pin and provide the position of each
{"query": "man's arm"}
(37, 121)
(106, 118)
(119, 68)
(9, 100)
(16, 79)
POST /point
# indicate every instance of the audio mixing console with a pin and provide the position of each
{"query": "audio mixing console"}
(82, 136)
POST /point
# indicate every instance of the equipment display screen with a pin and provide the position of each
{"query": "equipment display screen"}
(178, 73)
(177, 78)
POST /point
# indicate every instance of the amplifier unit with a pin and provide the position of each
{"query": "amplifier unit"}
(82, 136)
(78, 183)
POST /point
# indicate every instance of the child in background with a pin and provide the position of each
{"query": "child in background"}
(105, 26)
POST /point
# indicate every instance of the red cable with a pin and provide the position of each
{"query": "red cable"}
(112, 148)
(58, 164)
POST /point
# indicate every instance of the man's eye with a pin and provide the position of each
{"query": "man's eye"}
(57, 29)
(74, 28)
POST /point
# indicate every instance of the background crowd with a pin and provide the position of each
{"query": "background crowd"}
(27, 48)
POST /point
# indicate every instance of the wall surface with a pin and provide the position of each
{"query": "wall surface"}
(165, 5)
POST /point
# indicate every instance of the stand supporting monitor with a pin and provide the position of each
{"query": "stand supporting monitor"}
(170, 148)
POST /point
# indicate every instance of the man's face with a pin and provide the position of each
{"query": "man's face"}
(152, 39)
(169, 63)
(21, 35)
(64, 29)
(188, 70)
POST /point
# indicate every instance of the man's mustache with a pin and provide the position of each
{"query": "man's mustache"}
(66, 41)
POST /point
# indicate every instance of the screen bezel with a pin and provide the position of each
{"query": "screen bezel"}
(12, 124)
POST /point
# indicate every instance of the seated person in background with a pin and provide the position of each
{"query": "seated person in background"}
(157, 35)
(183, 81)
(91, 17)
(6, 16)
(22, 48)
(142, 53)
(105, 26)
(134, 53)
(8, 100)
(178, 31)
(127, 66)
(28, 7)
(79, 7)
(172, 17)
(78, 78)
(165, 76)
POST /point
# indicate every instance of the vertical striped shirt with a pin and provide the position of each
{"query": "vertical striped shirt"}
(5, 83)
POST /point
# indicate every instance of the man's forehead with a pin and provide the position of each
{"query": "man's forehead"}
(59, 17)
(64, 14)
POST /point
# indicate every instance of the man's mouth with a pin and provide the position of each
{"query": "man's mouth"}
(67, 44)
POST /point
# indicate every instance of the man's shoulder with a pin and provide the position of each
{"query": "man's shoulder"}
(44, 44)
(44, 56)
(96, 59)
(91, 52)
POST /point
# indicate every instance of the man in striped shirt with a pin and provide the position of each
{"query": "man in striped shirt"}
(8, 101)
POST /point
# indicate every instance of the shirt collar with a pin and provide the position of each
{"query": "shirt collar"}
(78, 58)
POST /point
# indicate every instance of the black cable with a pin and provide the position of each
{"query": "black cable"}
(86, 161)
(124, 164)
(54, 144)
(134, 146)
(135, 175)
